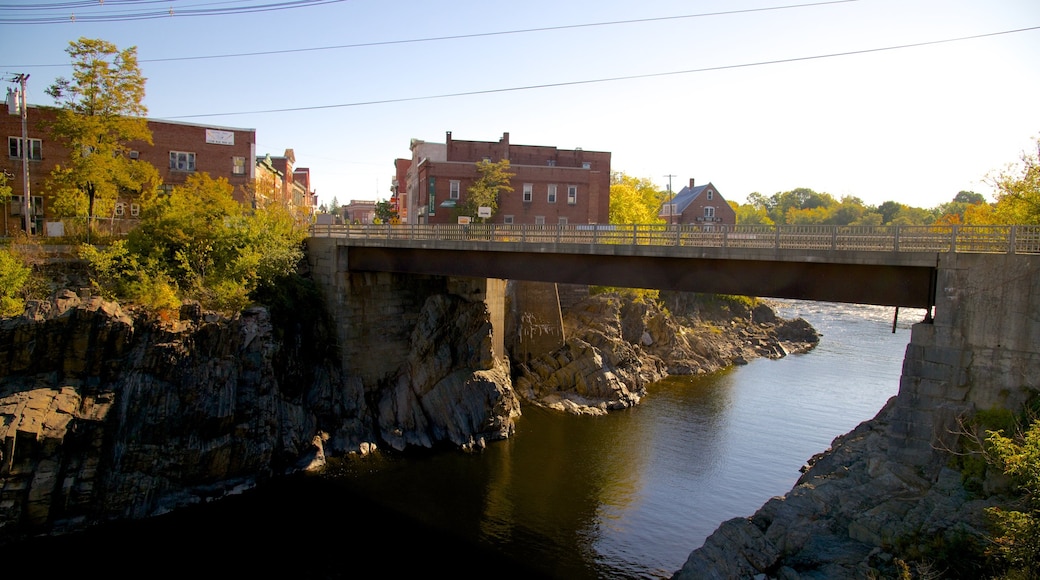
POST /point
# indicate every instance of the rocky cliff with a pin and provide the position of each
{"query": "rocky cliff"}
(111, 414)
(108, 415)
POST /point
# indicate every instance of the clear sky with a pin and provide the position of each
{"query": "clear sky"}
(869, 98)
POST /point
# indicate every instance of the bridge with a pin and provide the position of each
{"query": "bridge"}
(883, 265)
(980, 349)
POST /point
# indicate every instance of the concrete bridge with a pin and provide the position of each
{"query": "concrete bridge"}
(888, 266)
(978, 348)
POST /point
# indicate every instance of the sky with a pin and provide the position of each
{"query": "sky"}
(884, 100)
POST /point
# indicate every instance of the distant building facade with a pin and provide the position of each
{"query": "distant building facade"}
(698, 205)
(359, 211)
(550, 185)
(178, 150)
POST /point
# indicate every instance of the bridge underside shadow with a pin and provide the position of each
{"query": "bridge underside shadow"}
(884, 285)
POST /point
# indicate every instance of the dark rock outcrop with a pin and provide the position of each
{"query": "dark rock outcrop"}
(617, 345)
(107, 415)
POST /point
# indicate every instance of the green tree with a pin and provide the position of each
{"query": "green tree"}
(1018, 191)
(101, 113)
(969, 197)
(1018, 529)
(386, 213)
(492, 181)
(634, 200)
(14, 277)
(199, 243)
(751, 214)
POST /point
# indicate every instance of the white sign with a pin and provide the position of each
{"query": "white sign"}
(484, 211)
(218, 137)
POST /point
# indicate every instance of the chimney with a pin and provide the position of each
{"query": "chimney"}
(691, 183)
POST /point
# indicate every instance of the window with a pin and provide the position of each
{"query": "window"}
(120, 209)
(539, 220)
(572, 194)
(552, 193)
(507, 219)
(711, 194)
(182, 161)
(551, 163)
(14, 148)
(453, 189)
(528, 192)
(238, 166)
(563, 221)
(709, 212)
(586, 165)
(17, 204)
(135, 209)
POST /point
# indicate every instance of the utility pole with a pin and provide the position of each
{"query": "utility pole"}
(23, 109)
(670, 208)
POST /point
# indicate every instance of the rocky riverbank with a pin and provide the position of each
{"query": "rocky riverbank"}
(111, 414)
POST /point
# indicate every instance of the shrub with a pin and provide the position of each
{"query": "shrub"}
(14, 280)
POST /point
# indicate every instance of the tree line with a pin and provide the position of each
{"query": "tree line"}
(1016, 201)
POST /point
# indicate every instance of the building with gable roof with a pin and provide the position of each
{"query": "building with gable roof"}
(701, 205)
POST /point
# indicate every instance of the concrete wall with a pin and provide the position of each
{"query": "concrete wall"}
(375, 312)
(982, 351)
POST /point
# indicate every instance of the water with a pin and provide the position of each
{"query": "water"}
(628, 495)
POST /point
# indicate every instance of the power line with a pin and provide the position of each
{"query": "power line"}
(92, 8)
(477, 34)
(615, 79)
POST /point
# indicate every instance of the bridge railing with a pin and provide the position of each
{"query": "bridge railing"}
(1010, 239)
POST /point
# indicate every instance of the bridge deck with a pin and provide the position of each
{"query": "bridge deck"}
(891, 266)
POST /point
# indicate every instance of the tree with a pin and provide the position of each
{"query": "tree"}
(493, 180)
(1018, 191)
(385, 213)
(969, 197)
(14, 276)
(5, 194)
(1018, 528)
(199, 243)
(634, 200)
(101, 113)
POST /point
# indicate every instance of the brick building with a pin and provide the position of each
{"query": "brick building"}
(698, 205)
(550, 185)
(178, 150)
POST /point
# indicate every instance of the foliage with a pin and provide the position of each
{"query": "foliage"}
(1018, 530)
(199, 243)
(492, 181)
(101, 113)
(640, 295)
(1018, 191)
(14, 278)
(634, 200)
(386, 214)
(5, 189)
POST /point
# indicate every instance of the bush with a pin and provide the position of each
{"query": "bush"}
(14, 281)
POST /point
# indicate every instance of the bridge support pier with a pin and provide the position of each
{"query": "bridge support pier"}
(981, 351)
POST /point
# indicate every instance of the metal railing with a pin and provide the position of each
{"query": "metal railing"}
(1002, 239)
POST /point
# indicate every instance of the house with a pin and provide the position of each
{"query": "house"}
(359, 211)
(178, 150)
(698, 205)
(550, 185)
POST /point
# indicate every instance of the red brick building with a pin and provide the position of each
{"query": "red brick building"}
(550, 185)
(698, 205)
(178, 150)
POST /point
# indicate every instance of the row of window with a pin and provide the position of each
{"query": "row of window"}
(539, 220)
(670, 209)
(454, 191)
(179, 160)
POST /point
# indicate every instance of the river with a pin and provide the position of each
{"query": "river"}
(628, 495)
